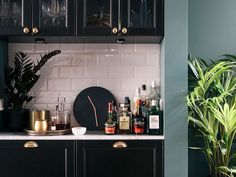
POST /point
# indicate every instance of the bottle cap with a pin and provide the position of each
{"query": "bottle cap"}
(127, 100)
(153, 84)
(138, 91)
(154, 102)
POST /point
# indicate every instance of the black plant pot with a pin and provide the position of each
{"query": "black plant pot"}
(3, 121)
(17, 120)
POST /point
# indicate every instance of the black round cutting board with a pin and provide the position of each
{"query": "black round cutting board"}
(84, 111)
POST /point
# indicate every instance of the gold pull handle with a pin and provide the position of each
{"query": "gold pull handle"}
(120, 144)
(124, 30)
(114, 30)
(35, 30)
(26, 30)
(31, 144)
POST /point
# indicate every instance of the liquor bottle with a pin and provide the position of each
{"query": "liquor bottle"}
(110, 125)
(155, 120)
(154, 94)
(138, 120)
(137, 97)
(124, 120)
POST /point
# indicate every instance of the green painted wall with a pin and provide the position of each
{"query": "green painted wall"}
(174, 61)
(212, 32)
(212, 27)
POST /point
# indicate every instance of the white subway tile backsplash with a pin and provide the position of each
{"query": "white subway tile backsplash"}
(59, 84)
(71, 72)
(50, 72)
(121, 72)
(96, 72)
(110, 84)
(42, 48)
(118, 68)
(109, 59)
(46, 97)
(133, 59)
(80, 84)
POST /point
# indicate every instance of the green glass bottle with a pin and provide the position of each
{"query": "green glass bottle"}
(154, 120)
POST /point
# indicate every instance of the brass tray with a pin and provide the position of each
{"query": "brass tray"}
(49, 132)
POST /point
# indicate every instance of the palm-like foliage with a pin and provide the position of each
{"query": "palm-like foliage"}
(212, 110)
(22, 77)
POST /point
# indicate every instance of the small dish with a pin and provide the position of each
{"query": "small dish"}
(79, 130)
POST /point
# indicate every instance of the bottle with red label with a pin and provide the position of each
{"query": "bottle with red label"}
(138, 120)
(110, 125)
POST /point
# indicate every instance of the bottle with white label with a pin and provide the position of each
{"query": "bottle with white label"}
(155, 120)
(124, 120)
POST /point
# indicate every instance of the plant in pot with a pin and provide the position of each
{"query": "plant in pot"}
(212, 111)
(19, 81)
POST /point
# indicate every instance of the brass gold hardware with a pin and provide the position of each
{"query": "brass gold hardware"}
(124, 30)
(35, 30)
(119, 144)
(26, 30)
(31, 144)
(114, 30)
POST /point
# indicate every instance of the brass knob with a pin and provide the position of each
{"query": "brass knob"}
(114, 30)
(35, 30)
(120, 144)
(31, 144)
(26, 30)
(124, 30)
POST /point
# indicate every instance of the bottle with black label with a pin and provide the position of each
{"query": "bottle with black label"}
(124, 120)
(155, 120)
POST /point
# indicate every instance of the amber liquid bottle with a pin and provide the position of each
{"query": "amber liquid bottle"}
(138, 120)
(110, 125)
(155, 120)
(124, 120)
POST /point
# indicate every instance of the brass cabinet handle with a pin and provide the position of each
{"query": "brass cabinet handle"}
(120, 144)
(35, 30)
(124, 30)
(26, 30)
(114, 30)
(31, 144)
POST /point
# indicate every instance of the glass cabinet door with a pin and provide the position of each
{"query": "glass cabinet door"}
(54, 17)
(15, 17)
(143, 16)
(99, 16)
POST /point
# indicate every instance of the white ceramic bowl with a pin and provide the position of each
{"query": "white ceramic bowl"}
(78, 130)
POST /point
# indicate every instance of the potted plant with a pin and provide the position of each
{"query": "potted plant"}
(212, 111)
(19, 81)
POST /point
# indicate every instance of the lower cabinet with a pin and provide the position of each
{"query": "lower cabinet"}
(36, 159)
(133, 158)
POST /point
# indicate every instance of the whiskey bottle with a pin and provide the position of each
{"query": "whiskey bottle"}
(110, 125)
(138, 120)
(155, 120)
(124, 120)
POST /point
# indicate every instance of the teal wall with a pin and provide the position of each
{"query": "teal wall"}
(212, 32)
(212, 27)
(174, 53)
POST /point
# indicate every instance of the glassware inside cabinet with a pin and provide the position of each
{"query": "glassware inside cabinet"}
(54, 13)
(98, 13)
(11, 12)
(142, 13)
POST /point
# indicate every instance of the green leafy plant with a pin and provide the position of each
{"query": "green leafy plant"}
(212, 111)
(22, 77)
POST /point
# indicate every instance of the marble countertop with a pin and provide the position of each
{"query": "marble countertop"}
(90, 135)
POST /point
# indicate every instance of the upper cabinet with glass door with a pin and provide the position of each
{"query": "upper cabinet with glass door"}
(121, 17)
(15, 17)
(37, 17)
(54, 17)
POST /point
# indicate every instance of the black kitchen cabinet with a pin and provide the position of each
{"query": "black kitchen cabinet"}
(120, 17)
(131, 158)
(37, 17)
(36, 158)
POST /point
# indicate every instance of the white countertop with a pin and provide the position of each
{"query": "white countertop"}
(88, 136)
